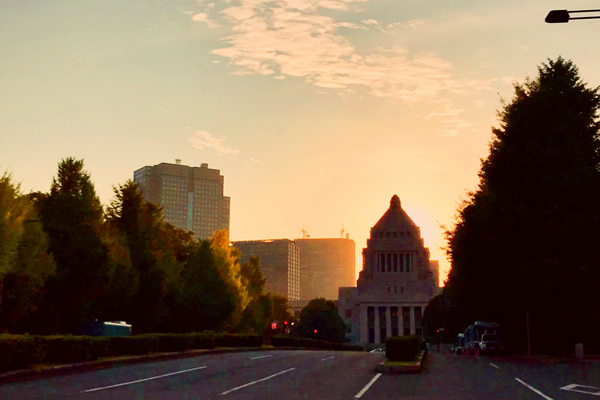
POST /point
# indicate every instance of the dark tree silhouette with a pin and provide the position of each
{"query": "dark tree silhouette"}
(323, 316)
(526, 240)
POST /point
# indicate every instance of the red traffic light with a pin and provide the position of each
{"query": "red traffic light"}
(438, 331)
(285, 322)
(315, 331)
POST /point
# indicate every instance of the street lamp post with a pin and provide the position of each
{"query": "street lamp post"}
(563, 16)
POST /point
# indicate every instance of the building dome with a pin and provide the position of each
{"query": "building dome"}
(395, 218)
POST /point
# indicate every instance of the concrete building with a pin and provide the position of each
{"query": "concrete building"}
(279, 263)
(396, 282)
(191, 197)
(325, 265)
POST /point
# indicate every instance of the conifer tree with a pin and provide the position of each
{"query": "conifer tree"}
(526, 240)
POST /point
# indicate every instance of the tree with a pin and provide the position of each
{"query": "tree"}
(157, 250)
(526, 240)
(24, 261)
(228, 262)
(204, 301)
(322, 316)
(12, 217)
(73, 219)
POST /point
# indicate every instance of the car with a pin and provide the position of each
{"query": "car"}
(381, 351)
(491, 344)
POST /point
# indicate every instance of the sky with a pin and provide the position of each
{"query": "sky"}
(316, 111)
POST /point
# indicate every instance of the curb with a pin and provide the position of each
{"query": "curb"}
(412, 368)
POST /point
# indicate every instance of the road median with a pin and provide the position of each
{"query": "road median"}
(403, 367)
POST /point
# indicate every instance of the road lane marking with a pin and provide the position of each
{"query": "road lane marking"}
(256, 358)
(254, 382)
(534, 389)
(328, 358)
(364, 390)
(495, 366)
(593, 390)
(141, 380)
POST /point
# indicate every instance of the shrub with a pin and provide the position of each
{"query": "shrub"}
(73, 349)
(19, 351)
(134, 345)
(402, 348)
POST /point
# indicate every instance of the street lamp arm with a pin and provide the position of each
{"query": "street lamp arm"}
(563, 16)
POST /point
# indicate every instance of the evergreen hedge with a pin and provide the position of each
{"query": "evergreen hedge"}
(21, 351)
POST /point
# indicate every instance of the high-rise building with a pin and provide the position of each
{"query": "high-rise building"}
(279, 263)
(191, 197)
(325, 265)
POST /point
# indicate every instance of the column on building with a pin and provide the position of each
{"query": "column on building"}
(376, 324)
(363, 324)
(412, 321)
(388, 321)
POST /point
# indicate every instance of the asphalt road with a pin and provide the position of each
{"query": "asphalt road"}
(318, 375)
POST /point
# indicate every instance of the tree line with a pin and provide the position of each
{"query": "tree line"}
(525, 245)
(66, 260)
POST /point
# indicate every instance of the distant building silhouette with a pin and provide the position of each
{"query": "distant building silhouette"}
(279, 263)
(192, 197)
(325, 265)
(395, 285)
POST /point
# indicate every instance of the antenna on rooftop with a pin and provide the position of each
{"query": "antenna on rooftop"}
(305, 234)
(342, 232)
(178, 161)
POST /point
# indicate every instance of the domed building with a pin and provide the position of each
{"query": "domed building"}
(396, 282)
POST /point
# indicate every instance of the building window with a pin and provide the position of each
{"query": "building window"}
(395, 262)
(348, 313)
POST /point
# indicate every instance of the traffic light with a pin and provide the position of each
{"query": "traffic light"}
(315, 331)
(285, 322)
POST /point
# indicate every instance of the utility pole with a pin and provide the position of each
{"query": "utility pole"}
(528, 337)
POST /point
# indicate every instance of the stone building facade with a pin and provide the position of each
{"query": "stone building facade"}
(395, 285)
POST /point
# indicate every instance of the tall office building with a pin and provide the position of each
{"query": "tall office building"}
(325, 265)
(191, 197)
(279, 263)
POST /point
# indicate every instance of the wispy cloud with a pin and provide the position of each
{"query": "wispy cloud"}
(204, 140)
(203, 17)
(292, 38)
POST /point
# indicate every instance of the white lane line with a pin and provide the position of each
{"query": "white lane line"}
(328, 358)
(495, 366)
(534, 389)
(364, 390)
(256, 358)
(254, 382)
(141, 380)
